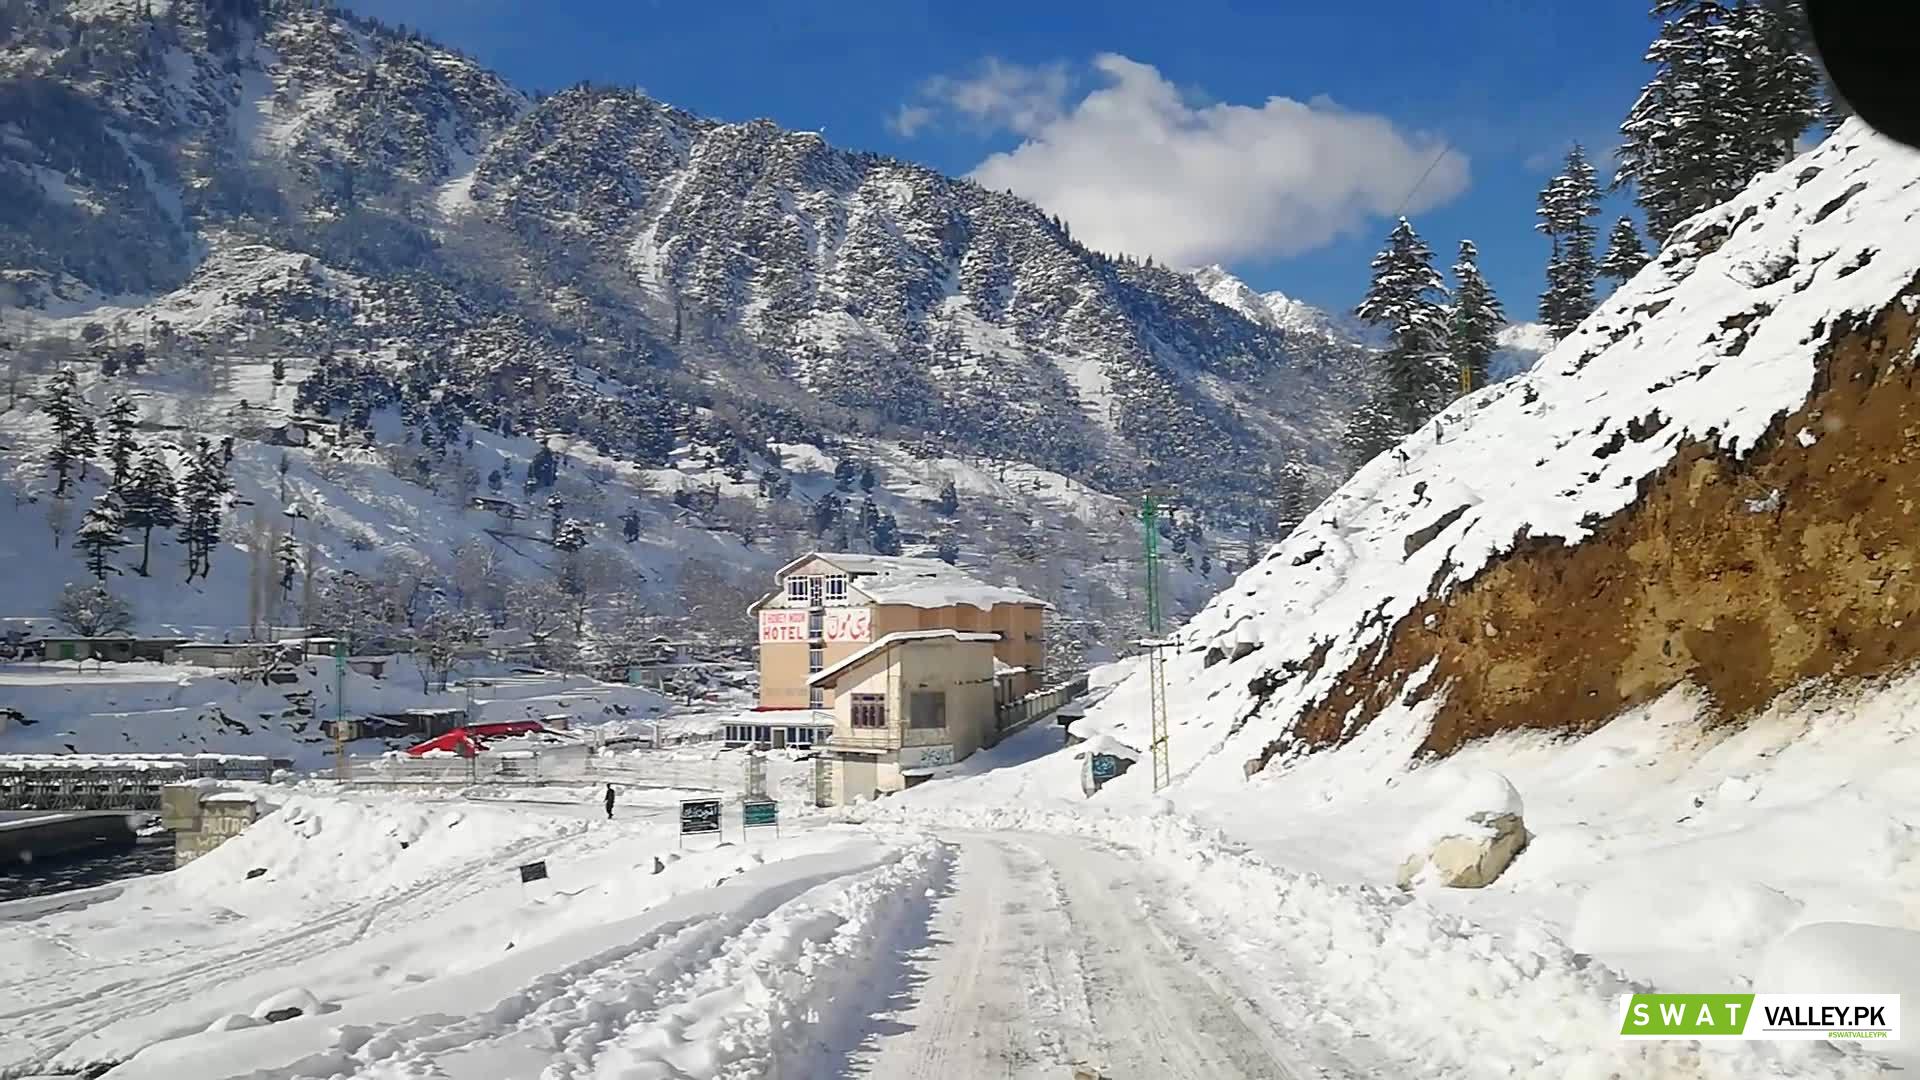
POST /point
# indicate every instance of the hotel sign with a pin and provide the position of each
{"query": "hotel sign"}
(848, 624)
(837, 625)
(783, 624)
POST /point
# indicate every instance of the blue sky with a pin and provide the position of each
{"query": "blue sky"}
(1147, 125)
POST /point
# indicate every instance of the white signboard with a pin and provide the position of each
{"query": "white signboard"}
(783, 624)
(925, 757)
(847, 624)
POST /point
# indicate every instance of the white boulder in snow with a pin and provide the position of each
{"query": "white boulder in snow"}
(1471, 839)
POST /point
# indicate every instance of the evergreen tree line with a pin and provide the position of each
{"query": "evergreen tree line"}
(1439, 343)
(143, 491)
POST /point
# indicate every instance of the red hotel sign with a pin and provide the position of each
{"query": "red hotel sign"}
(783, 624)
(836, 625)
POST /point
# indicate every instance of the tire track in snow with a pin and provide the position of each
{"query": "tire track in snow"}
(685, 999)
(66, 1022)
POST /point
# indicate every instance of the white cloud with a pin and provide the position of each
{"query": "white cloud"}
(1137, 166)
(909, 119)
(999, 96)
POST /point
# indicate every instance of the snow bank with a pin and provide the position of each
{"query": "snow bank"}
(1852, 958)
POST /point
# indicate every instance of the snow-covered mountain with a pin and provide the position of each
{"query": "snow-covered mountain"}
(241, 211)
(1706, 485)
(1273, 309)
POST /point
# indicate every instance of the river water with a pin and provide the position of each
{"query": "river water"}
(85, 869)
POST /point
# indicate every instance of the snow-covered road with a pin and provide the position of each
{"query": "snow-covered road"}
(846, 952)
(1043, 953)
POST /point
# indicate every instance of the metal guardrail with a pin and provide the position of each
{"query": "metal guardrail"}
(1015, 715)
(44, 786)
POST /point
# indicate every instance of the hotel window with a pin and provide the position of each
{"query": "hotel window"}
(836, 586)
(816, 659)
(816, 698)
(816, 625)
(814, 590)
(796, 588)
(869, 710)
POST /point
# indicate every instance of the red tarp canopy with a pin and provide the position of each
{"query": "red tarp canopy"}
(470, 740)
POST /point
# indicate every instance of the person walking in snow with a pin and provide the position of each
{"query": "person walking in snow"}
(609, 802)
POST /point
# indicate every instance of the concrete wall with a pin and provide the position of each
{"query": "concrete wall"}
(216, 817)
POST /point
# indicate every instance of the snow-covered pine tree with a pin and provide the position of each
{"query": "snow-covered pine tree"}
(1477, 319)
(1290, 496)
(100, 535)
(948, 501)
(1407, 298)
(203, 499)
(1732, 91)
(946, 547)
(151, 500)
(1625, 257)
(72, 428)
(121, 417)
(289, 557)
(1566, 204)
(630, 524)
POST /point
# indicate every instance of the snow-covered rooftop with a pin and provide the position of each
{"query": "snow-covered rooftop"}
(899, 579)
(826, 676)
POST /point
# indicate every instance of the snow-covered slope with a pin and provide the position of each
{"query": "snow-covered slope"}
(1275, 309)
(1732, 328)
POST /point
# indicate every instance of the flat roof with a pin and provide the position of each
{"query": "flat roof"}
(825, 675)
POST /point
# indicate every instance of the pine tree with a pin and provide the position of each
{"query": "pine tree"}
(1732, 91)
(121, 418)
(556, 507)
(1477, 319)
(1406, 298)
(72, 428)
(1290, 496)
(947, 547)
(1625, 257)
(151, 501)
(289, 556)
(948, 501)
(571, 536)
(630, 524)
(100, 536)
(1566, 204)
(867, 479)
(203, 500)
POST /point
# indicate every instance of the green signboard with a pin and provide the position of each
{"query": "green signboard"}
(760, 812)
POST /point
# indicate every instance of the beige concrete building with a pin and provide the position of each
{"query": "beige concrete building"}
(826, 607)
(905, 661)
(907, 705)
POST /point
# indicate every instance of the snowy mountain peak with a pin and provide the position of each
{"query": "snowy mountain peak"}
(1274, 309)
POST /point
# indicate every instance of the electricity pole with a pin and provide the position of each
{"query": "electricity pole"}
(1156, 647)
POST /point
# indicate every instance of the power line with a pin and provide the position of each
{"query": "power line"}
(1415, 189)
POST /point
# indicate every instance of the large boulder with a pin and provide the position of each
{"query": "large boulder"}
(1471, 839)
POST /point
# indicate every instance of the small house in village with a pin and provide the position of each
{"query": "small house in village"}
(919, 627)
(114, 648)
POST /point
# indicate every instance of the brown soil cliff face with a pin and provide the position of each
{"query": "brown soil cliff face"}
(1707, 577)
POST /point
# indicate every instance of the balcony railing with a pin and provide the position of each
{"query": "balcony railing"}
(864, 738)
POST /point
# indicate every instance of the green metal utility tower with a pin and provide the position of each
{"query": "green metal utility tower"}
(1156, 646)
